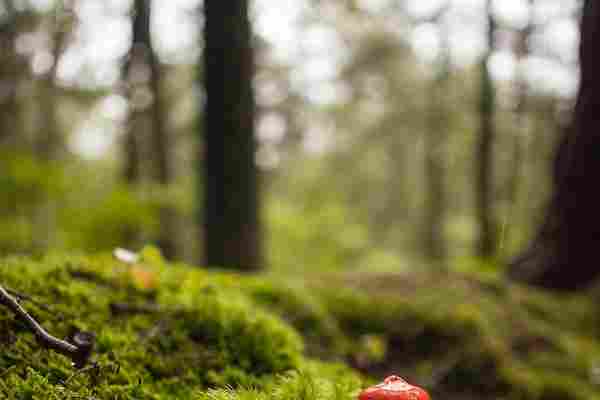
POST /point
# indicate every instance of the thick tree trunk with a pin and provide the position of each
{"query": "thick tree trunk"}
(487, 230)
(231, 201)
(563, 254)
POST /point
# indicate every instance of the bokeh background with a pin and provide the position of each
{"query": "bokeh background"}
(390, 169)
(369, 118)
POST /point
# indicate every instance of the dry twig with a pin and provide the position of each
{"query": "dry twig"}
(79, 351)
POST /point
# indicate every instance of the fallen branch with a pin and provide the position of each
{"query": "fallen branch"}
(79, 351)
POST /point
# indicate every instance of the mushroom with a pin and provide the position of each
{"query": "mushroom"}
(394, 388)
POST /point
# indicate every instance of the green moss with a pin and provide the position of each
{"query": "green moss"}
(469, 337)
(299, 307)
(182, 331)
(176, 332)
(314, 382)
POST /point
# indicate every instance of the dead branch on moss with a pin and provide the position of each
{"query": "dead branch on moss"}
(79, 351)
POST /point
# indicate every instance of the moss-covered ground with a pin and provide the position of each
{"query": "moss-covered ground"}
(162, 332)
(177, 332)
(472, 338)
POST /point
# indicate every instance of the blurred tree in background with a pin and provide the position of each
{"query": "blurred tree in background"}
(13, 69)
(387, 135)
(488, 231)
(560, 256)
(231, 199)
(435, 137)
(147, 125)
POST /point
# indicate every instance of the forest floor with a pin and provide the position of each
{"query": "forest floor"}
(175, 332)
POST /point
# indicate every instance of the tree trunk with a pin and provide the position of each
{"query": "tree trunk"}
(147, 115)
(563, 255)
(231, 201)
(163, 168)
(135, 71)
(131, 169)
(161, 146)
(135, 83)
(11, 70)
(522, 123)
(487, 236)
(435, 161)
(50, 140)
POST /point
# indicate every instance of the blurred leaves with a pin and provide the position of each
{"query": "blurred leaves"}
(87, 210)
(341, 141)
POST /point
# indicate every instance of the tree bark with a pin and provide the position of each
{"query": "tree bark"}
(435, 160)
(49, 139)
(487, 230)
(161, 146)
(522, 122)
(143, 75)
(563, 254)
(50, 142)
(131, 169)
(231, 202)
(11, 69)
(136, 80)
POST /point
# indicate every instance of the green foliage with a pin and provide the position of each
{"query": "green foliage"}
(110, 220)
(71, 205)
(316, 235)
(26, 182)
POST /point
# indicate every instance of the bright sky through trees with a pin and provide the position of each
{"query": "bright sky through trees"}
(104, 33)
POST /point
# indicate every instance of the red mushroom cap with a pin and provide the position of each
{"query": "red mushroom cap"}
(394, 388)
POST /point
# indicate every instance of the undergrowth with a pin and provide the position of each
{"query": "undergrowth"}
(162, 332)
(176, 332)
